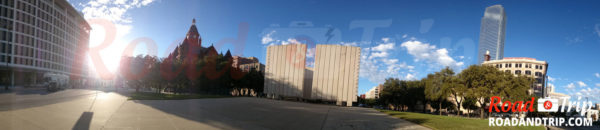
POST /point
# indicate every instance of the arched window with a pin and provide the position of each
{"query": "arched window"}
(518, 72)
(527, 72)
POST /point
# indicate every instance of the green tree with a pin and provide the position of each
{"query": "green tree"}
(392, 93)
(470, 104)
(481, 81)
(458, 91)
(437, 86)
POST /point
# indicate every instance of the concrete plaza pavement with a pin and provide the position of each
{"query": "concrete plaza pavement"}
(91, 109)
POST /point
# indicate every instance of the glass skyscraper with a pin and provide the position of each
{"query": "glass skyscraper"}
(491, 37)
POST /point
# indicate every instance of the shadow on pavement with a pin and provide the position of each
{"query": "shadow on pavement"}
(83, 123)
(27, 98)
(262, 113)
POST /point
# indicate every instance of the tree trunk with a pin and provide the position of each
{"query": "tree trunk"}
(440, 107)
(481, 111)
(468, 112)
(424, 107)
(458, 109)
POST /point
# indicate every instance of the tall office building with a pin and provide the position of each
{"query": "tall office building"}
(41, 36)
(491, 37)
(334, 78)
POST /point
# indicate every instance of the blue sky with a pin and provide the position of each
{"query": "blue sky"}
(410, 39)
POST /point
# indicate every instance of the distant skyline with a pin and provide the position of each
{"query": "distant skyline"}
(402, 39)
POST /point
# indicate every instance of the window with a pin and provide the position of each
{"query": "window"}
(527, 72)
(539, 74)
(538, 80)
(541, 67)
(507, 71)
(518, 72)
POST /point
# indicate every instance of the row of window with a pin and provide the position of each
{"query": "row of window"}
(25, 51)
(61, 29)
(518, 65)
(6, 12)
(26, 7)
(36, 63)
(7, 2)
(5, 35)
(527, 72)
(59, 35)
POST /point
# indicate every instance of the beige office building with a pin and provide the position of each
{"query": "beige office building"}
(284, 72)
(524, 66)
(374, 92)
(334, 77)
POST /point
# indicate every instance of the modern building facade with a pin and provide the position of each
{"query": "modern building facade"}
(491, 37)
(41, 36)
(247, 63)
(284, 73)
(525, 66)
(374, 92)
(335, 76)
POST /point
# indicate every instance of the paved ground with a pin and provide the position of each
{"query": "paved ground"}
(89, 109)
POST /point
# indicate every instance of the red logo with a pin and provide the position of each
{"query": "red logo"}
(547, 105)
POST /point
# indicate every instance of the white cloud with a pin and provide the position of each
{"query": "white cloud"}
(551, 79)
(120, 2)
(377, 64)
(597, 75)
(571, 86)
(597, 84)
(390, 61)
(114, 11)
(369, 69)
(348, 43)
(383, 47)
(379, 54)
(589, 93)
(409, 76)
(581, 84)
(290, 41)
(430, 53)
(268, 38)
